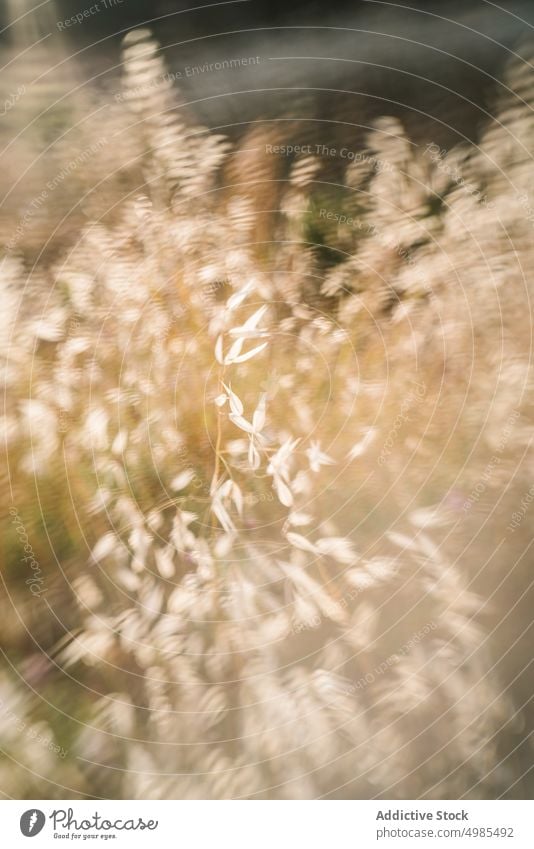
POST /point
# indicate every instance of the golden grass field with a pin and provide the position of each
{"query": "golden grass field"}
(267, 424)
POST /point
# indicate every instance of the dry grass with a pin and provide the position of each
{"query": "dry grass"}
(259, 577)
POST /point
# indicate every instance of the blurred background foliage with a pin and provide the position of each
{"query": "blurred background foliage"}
(169, 656)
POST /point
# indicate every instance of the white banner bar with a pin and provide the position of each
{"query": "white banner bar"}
(270, 825)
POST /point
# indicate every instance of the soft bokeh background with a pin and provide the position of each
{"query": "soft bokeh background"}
(300, 573)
